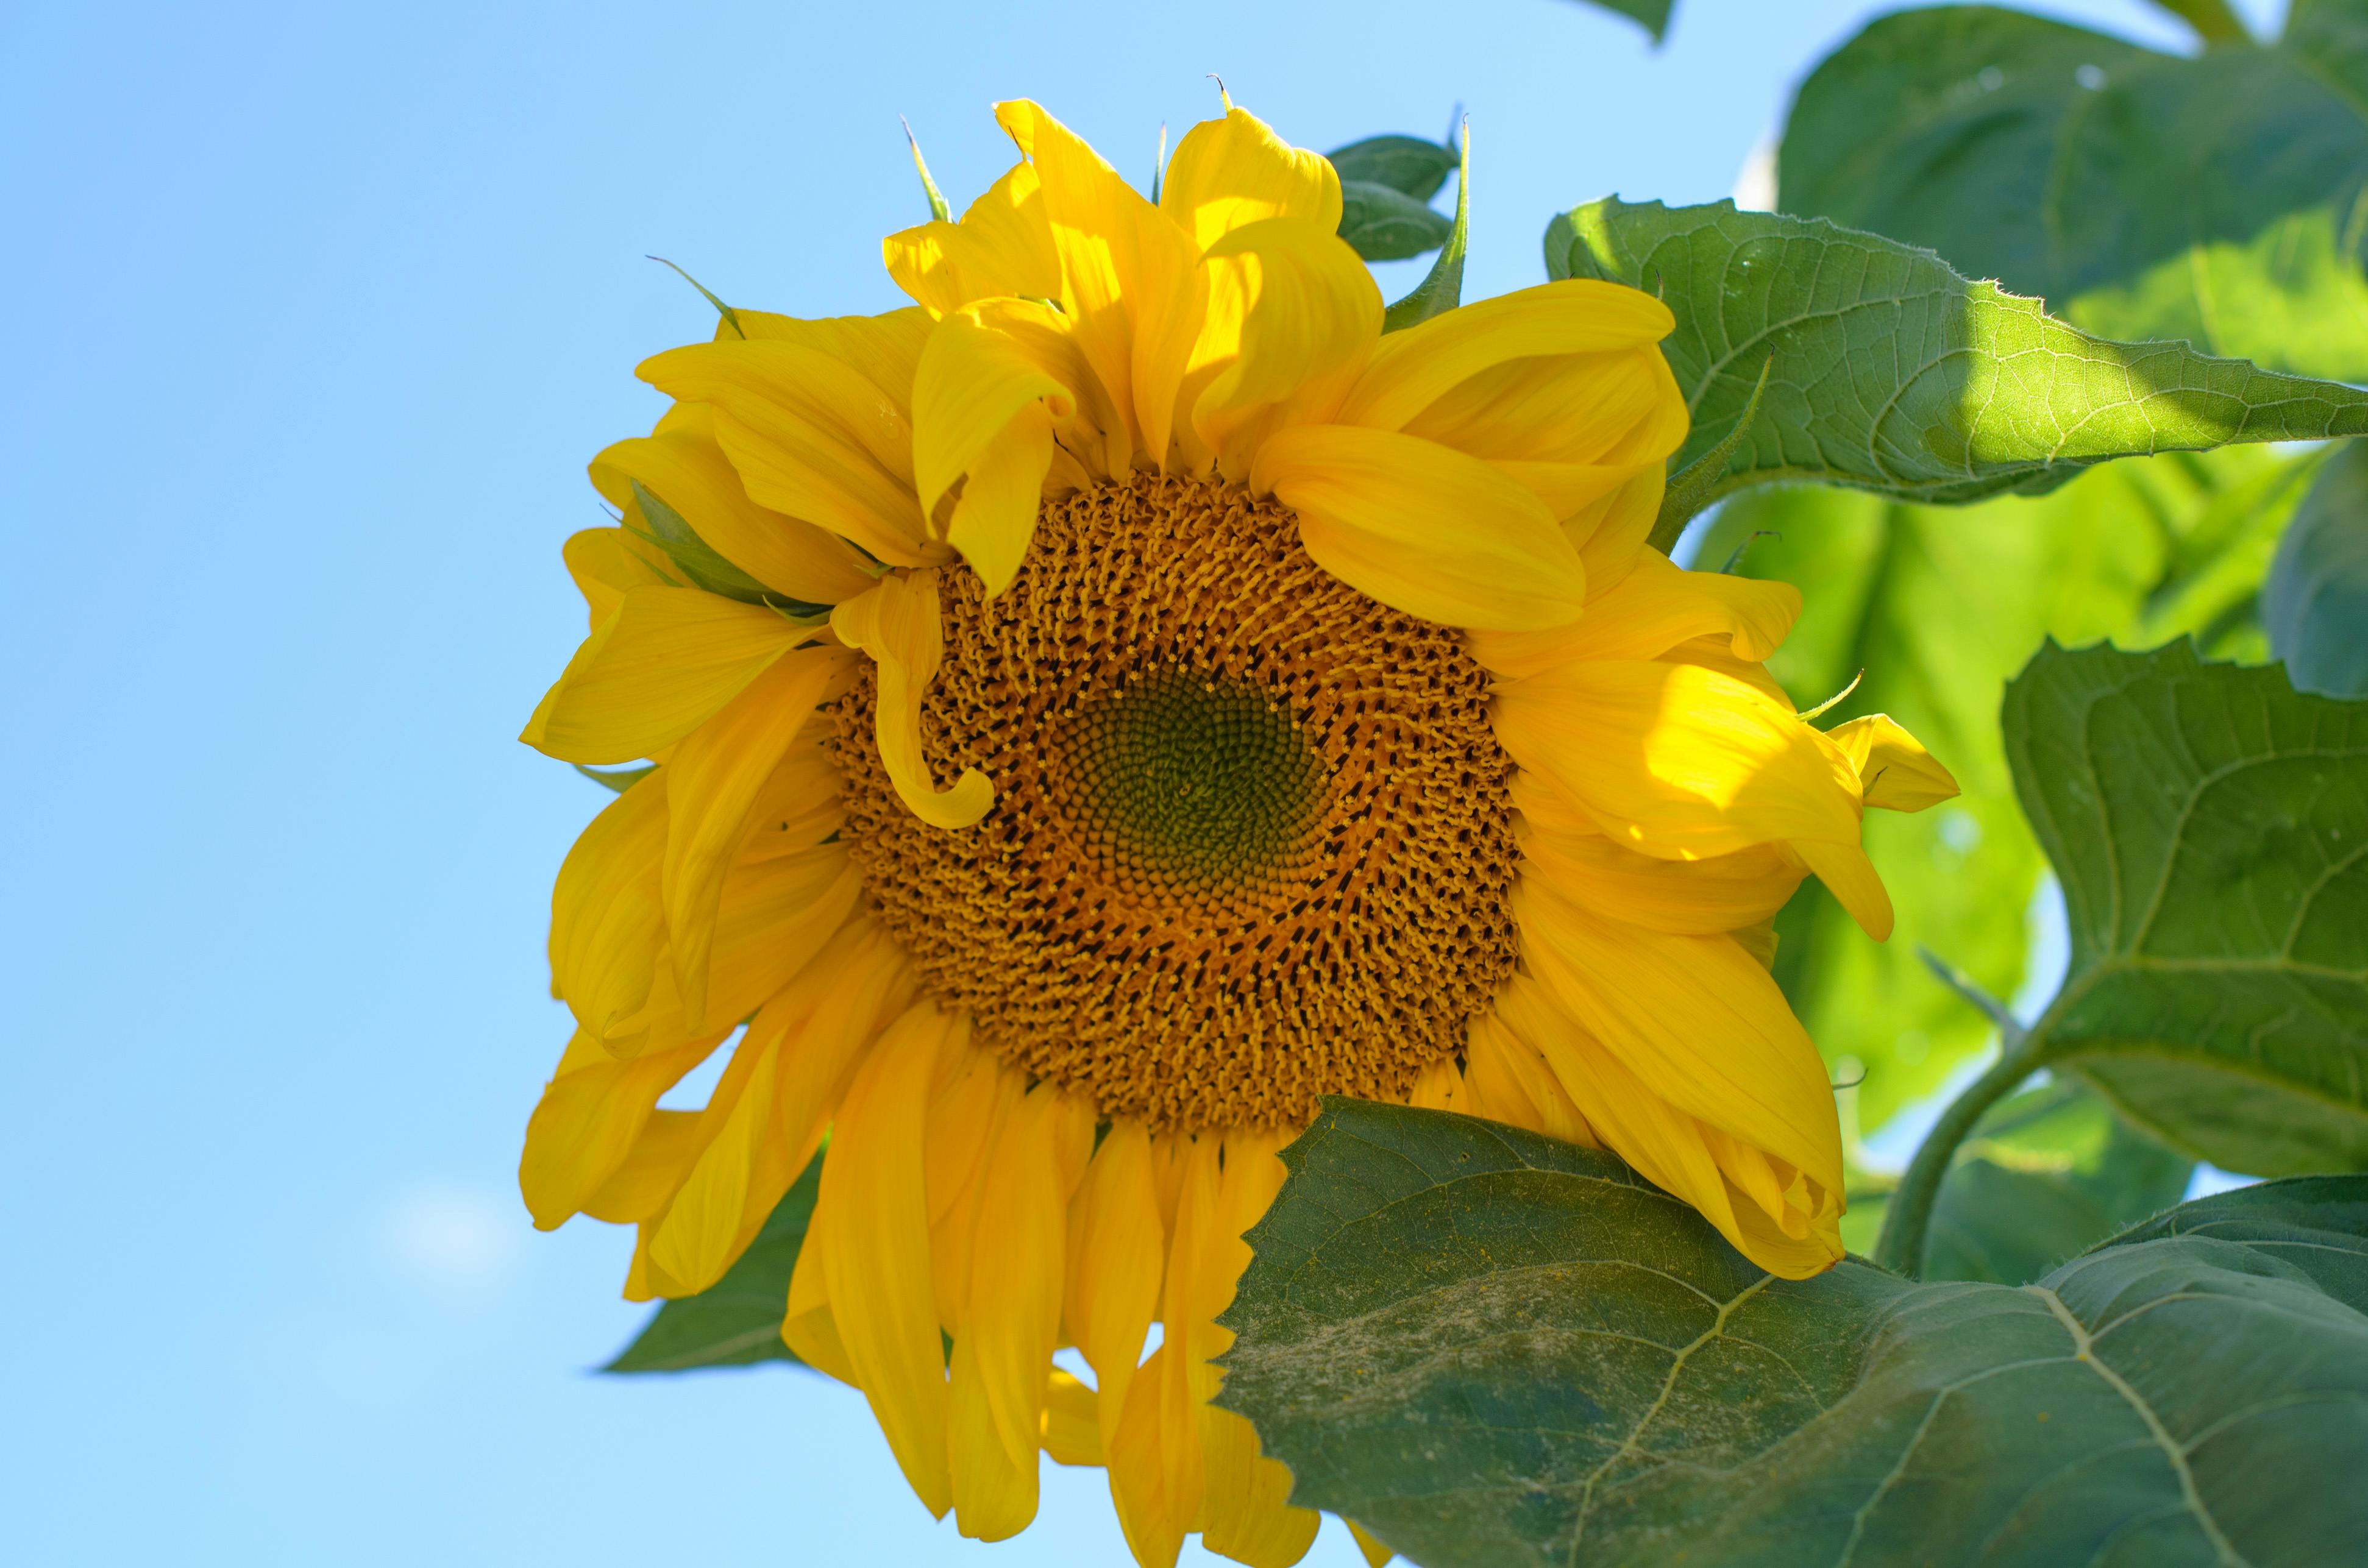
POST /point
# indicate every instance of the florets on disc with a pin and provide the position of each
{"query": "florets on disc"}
(1252, 836)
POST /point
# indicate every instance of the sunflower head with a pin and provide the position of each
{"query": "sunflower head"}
(1112, 703)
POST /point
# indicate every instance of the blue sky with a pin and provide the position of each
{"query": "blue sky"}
(316, 314)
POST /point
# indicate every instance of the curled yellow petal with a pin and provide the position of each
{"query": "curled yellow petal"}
(1234, 171)
(662, 665)
(1002, 248)
(1894, 770)
(1424, 529)
(984, 406)
(897, 623)
(1072, 1428)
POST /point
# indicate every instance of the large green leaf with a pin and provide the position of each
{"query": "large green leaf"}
(738, 1320)
(1489, 1347)
(2314, 605)
(2210, 827)
(1940, 608)
(1386, 184)
(2047, 1174)
(1889, 371)
(2221, 199)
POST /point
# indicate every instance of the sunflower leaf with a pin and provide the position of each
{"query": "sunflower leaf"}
(1383, 224)
(2217, 197)
(1489, 1347)
(1407, 164)
(2210, 826)
(1892, 373)
(2315, 604)
(735, 1322)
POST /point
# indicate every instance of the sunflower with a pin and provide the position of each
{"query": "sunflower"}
(1112, 703)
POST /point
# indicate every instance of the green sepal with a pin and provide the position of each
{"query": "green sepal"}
(703, 565)
(1443, 289)
(726, 312)
(618, 779)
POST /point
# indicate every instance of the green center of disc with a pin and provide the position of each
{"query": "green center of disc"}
(1193, 776)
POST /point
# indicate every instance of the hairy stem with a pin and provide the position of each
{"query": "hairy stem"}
(1900, 1248)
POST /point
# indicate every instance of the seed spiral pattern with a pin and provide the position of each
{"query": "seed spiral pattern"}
(1252, 839)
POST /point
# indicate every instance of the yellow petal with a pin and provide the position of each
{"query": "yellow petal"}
(1117, 1250)
(995, 516)
(1852, 878)
(1157, 1476)
(714, 782)
(797, 807)
(1618, 409)
(1438, 1087)
(809, 435)
(1376, 1552)
(661, 665)
(1072, 1431)
(1894, 770)
(1093, 430)
(828, 1016)
(1293, 316)
(1001, 248)
(809, 1327)
(1678, 761)
(605, 563)
(882, 350)
(1648, 612)
(1508, 1080)
(1245, 1511)
(897, 624)
(1700, 897)
(652, 1173)
(973, 382)
(1231, 172)
(1696, 1019)
(1002, 1352)
(1669, 1148)
(607, 921)
(776, 915)
(738, 1172)
(1610, 533)
(589, 1118)
(1414, 368)
(1424, 529)
(685, 469)
(1124, 270)
(873, 1214)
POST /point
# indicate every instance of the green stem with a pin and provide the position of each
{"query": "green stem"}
(1900, 1248)
(2214, 20)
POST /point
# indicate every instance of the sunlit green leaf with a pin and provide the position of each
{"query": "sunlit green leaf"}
(1940, 607)
(1891, 372)
(738, 1320)
(2210, 827)
(2222, 198)
(1491, 1348)
(2316, 601)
